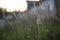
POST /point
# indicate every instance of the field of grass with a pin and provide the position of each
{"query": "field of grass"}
(29, 30)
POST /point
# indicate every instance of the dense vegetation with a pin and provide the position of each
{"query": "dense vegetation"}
(29, 30)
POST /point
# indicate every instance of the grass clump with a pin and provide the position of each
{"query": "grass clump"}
(29, 30)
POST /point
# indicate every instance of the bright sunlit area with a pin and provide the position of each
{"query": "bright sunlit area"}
(12, 5)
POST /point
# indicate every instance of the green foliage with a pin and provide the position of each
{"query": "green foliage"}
(29, 30)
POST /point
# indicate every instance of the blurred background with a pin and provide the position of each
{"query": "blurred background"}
(29, 20)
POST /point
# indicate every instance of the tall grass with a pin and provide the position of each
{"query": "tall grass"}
(29, 30)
